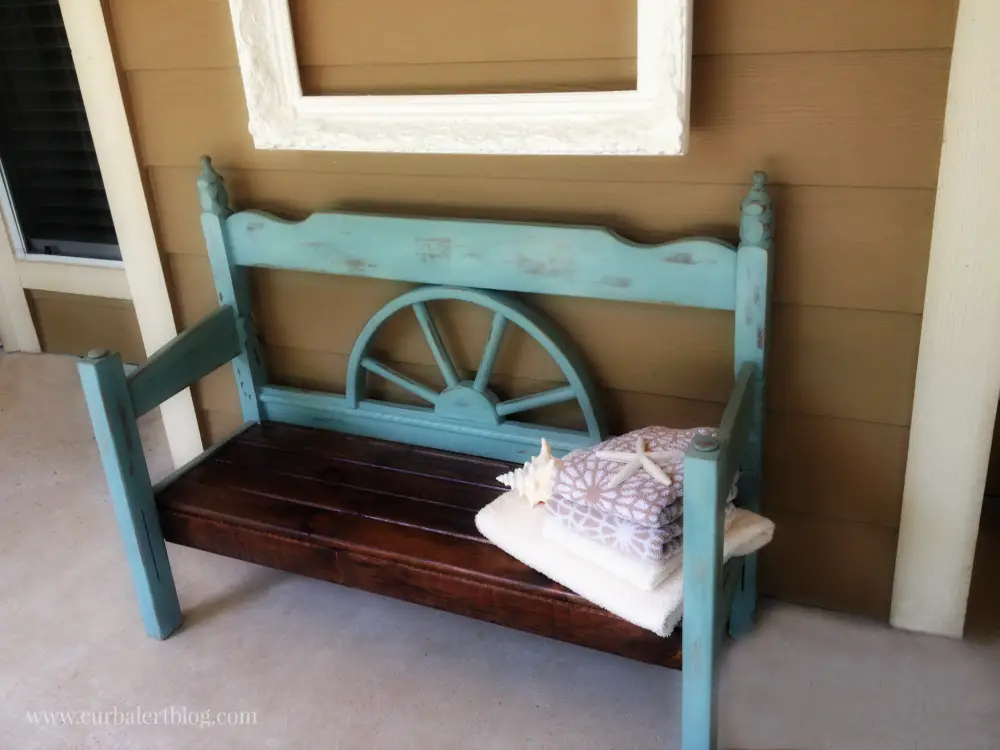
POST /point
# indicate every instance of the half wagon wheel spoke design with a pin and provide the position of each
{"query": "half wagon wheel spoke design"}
(472, 401)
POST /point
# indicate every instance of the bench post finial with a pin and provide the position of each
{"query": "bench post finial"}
(231, 286)
(757, 217)
(212, 190)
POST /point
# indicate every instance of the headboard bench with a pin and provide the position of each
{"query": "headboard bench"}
(382, 496)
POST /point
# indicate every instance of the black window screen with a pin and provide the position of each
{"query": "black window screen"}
(55, 198)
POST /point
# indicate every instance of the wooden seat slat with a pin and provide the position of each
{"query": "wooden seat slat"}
(327, 509)
(198, 494)
(371, 503)
(423, 488)
(455, 467)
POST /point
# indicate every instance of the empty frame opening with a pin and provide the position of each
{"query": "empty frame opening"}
(384, 47)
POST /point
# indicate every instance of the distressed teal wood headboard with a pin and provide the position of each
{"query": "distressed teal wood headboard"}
(479, 262)
(579, 261)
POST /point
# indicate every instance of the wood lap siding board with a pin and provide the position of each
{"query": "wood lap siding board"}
(74, 324)
(841, 102)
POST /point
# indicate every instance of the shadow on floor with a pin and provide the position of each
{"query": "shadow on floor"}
(250, 590)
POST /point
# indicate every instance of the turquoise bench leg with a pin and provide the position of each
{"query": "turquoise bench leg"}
(702, 577)
(114, 421)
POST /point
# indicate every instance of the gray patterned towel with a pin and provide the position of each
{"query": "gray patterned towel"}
(637, 476)
(650, 543)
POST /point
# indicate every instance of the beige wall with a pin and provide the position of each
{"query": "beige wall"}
(73, 324)
(841, 101)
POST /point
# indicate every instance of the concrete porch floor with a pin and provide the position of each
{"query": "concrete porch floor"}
(328, 667)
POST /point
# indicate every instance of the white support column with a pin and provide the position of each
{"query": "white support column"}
(90, 44)
(958, 373)
(17, 329)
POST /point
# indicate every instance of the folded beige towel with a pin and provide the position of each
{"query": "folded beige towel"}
(517, 528)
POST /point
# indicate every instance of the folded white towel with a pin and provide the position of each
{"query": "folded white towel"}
(518, 529)
(644, 574)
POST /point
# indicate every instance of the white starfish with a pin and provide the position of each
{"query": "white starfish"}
(641, 458)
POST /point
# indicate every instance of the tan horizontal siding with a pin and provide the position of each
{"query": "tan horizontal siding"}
(854, 364)
(75, 324)
(858, 119)
(178, 34)
(360, 33)
(216, 425)
(612, 74)
(725, 27)
(842, 469)
(829, 563)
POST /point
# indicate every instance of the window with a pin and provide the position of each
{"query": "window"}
(52, 195)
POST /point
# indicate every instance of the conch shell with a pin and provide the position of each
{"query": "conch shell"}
(533, 481)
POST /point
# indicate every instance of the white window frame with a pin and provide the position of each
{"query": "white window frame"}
(95, 277)
(652, 119)
(140, 272)
(20, 240)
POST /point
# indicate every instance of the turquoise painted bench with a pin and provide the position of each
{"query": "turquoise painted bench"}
(381, 495)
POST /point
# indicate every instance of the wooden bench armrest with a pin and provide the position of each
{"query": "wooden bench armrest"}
(711, 465)
(736, 425)
(185, 360)
(710, 468)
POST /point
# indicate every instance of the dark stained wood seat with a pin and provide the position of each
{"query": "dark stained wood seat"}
(390, 518)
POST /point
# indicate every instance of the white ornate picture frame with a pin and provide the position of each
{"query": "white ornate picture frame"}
(651, 119)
